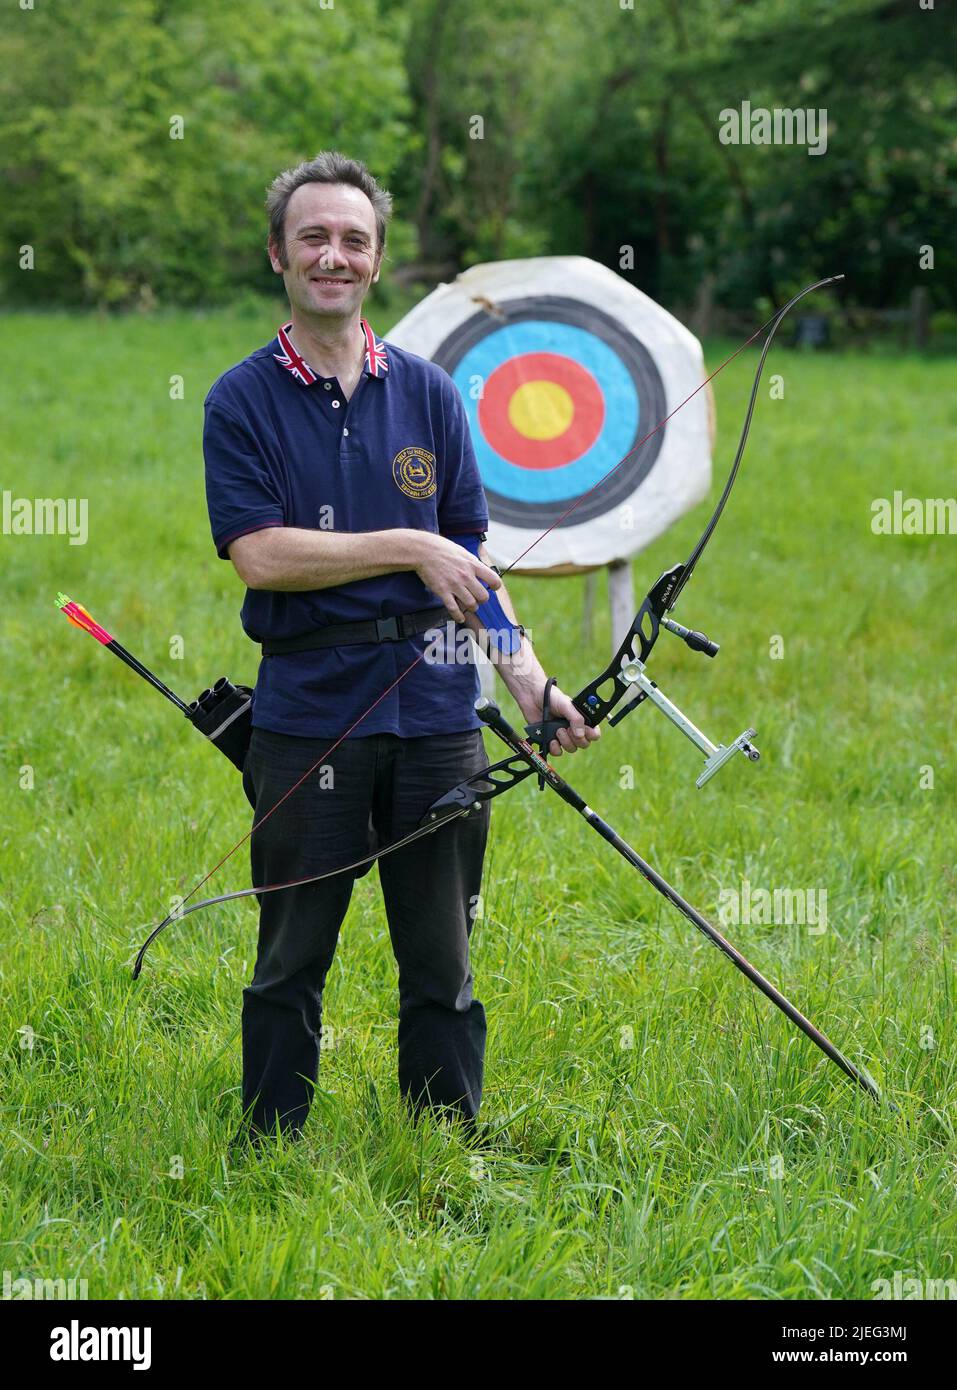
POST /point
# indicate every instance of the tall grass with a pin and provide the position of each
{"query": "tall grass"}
(660, 1130)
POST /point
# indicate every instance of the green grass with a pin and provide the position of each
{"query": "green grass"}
(646, 1094)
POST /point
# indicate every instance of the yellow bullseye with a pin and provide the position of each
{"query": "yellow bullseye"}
(541, 410)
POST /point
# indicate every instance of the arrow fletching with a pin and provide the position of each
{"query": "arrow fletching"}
(79, 617)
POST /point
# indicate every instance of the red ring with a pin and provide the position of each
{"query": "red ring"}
(577, 439)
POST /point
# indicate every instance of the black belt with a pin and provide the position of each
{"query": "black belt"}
(394, 629)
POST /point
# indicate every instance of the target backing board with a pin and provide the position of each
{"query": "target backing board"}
(563, 368)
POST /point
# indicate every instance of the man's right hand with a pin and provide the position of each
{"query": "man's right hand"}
(456, 577)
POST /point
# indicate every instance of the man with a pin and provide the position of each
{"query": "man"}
(342, 485)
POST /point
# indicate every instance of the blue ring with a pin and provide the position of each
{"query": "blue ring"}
(622, 409)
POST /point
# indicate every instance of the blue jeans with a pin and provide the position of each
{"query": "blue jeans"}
(369, 793)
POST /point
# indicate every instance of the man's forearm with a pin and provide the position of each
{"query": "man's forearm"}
(522, 672)
(289, 559)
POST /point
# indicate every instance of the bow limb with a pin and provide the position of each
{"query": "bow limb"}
(418, 834)
(772, 326)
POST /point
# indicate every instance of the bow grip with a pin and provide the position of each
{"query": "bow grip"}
(543, 731)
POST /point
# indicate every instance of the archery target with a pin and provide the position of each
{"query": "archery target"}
(564, 370)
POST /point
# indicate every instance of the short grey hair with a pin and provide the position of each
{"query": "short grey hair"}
(329, 166)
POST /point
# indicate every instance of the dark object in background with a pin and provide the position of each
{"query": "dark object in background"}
(812, 331)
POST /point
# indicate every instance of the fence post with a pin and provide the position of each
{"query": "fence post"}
(919, 317)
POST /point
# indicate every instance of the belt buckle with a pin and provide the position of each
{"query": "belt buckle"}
(387, 629)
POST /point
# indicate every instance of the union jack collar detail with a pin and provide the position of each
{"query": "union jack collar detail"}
(376, 357)
(290, 359)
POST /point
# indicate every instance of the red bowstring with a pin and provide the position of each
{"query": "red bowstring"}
(285, 796)
(378, 700)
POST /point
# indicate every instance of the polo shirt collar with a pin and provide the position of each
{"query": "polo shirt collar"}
(376, 357)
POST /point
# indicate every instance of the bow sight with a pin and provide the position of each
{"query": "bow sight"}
(625, 677)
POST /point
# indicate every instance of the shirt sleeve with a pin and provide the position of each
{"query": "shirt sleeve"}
(462, 506)
(241, 494)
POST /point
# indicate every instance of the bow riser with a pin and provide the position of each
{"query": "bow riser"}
(595, 701)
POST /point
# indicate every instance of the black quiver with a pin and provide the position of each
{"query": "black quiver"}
(223, 713)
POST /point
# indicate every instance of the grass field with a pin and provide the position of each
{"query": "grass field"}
(663, 1131)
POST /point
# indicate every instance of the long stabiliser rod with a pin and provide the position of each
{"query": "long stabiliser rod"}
(491, 715)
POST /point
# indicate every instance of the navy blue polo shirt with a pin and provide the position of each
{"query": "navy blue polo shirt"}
(283, 447)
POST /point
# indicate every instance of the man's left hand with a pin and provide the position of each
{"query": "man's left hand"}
(577, 735)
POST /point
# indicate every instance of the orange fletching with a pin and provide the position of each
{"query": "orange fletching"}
(79, 617)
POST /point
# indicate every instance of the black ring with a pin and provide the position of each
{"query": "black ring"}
(641, 367)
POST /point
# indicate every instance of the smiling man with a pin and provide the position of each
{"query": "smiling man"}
(342, 484)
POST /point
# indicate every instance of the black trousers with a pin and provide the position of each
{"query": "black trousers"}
(370, 792)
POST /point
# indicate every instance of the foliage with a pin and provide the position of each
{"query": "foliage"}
(118, 211)
(599, 131)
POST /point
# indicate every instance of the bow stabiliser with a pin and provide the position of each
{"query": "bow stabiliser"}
(625, 676)
(526, 760)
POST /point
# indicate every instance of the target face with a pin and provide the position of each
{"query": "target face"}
(566, 373)
(556, 396)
